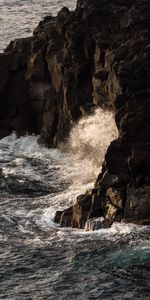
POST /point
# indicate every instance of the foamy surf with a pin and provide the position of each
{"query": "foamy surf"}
(48, 262)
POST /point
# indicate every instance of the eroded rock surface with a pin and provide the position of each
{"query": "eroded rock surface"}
(97, 55)
(122, 79)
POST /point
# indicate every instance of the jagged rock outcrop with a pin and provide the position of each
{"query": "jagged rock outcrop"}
(46, 80)
(97, 55)
(122, 190)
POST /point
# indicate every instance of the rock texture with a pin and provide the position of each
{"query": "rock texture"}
(97, 55)
(46, 80)
(121, 79)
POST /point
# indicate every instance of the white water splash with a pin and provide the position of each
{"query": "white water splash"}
(70, 172)
(92, 135)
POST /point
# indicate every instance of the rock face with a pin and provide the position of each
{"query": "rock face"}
(46, 80)
(97, 55)
(121, 79)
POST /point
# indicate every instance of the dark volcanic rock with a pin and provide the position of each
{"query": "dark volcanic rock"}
(97, 55)
(14, 100)
(122, 79)
(46, 80)
(66, 217)
(137, 206)
(97, 223)
(49, 80)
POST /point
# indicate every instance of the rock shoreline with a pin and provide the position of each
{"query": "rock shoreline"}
(97, 55)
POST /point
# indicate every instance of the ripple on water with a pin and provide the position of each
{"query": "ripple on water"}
(19, 17)
(39, 260)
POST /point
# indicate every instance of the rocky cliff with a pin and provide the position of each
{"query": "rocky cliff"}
(97, 55)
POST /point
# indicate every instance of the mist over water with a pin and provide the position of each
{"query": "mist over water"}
(92, 135)
(75, 165)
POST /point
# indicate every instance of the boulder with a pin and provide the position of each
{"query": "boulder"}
(96, 224)
(66, 217)
(57, 216)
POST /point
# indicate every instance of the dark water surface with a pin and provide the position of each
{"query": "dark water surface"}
(39, 260)
(18, 18)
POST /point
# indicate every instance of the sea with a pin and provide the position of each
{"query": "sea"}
(39, 260)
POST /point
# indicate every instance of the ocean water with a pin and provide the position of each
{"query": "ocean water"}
(18, 18)
(38, 259)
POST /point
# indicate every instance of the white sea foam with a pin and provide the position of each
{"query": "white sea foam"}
(71, 172)
(52, 257)
(130, 233)
(92, 135)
